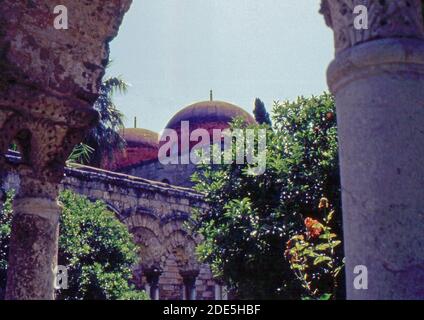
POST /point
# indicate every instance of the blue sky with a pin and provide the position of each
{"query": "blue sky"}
(173, 52)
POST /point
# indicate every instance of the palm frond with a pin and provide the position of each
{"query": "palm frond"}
(80, 154)
(114, 85)
(105, 138)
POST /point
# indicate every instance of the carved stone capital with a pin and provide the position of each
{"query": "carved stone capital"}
(44, 146)
(386, 19)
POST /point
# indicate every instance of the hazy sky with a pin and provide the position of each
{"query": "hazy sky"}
(173, 52)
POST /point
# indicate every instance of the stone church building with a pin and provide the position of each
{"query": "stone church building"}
(140, 157)
(155, 201)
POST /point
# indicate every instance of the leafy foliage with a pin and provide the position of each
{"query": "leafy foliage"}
(261, 115)
(5, 229)
(251, 217)
(96, 248)
(80, 154)
(312, 256)
(105, 139)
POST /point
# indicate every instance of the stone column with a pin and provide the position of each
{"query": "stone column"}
(50, 79)
(189, 283)
(152, 287)
(33, 248)
(377, 78)
(44, 146)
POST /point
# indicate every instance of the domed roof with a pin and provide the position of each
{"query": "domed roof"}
(137, 137)
(209, 112)
(142, 145)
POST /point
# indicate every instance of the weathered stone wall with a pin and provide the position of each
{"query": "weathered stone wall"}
(155, 214)
(175, 174)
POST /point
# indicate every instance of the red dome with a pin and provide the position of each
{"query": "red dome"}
(207, 115)
(209, 112)
(140, 137)
(142, 146)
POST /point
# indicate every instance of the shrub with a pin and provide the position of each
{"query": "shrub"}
(94, 246)
(251, 217)
(313, 258)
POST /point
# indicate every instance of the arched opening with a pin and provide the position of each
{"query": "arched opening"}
(20, 146)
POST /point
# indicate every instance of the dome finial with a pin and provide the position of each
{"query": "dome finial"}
(211, 95)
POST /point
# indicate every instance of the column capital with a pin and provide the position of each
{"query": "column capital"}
(394, 56)
(45, 131)
(386, 19)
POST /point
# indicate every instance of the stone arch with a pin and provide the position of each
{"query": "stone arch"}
(148, 236)
(182, 246)
(174, 222)
(178, 241)
(150, 246)
(178, 258)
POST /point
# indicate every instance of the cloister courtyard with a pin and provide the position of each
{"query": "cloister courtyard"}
(317, 197)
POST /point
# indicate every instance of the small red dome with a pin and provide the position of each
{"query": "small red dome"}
(142, 145)
(140, 137)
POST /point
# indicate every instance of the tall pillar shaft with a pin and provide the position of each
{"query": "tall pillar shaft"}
(33, 249)
(44, 145)
(378, 82)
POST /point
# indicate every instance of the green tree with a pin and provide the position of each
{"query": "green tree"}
(96, 248)
(251, 217)
(5, 229)
(261, 115)
(104, 139)
(80, 154)
(312, 254)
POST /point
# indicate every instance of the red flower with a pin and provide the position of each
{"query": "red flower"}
(329, 116)
(314, 227)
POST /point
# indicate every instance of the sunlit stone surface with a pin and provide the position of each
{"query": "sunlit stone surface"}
(378, 81)
(49, 81)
